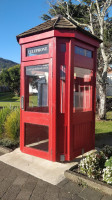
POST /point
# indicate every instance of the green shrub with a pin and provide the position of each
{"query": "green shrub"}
(3, 115)
(108, 163)
(6, 142)
(12, 125)
(107, 150)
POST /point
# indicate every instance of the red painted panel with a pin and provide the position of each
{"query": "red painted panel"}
(36, 37)
(60, 135)
(62, 117)
(36, 118)
(82, 126)
(87, 39)
(84, 45)
(37, 153)
(83, 62)
(84, 132)
(64, 33)
(60, 33)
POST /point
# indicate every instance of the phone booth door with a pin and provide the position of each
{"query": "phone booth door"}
(36, 107)
(83, 107)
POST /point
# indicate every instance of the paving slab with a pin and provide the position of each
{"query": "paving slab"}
(106, 197)
(89, 193)
(52, 172)
(32, 188)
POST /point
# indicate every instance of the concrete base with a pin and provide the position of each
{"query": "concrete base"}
(51, 172)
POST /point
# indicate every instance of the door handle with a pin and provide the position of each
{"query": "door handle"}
(22, 102)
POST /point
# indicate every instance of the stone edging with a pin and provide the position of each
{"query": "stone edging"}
(79, 178)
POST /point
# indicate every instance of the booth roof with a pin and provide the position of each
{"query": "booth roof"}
(58, 22)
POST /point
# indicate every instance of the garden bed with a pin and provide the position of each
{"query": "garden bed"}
(79, 178)
(94, 170)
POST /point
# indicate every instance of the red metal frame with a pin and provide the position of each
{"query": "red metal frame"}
(69, 132)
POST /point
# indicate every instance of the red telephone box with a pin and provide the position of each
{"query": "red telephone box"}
(58, 75)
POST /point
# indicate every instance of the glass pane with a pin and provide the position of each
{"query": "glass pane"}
(83, 52)
(63, 47)
(89, 54)
(37, 88)
(62, 88)
(82, 90)
(37, 137)
(79, 51)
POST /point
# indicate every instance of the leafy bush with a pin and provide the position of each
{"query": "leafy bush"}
(11, 78)
(108, 162)
(107, 150)
(12, 125)
(6, 142)
(3, 115)
(93, 165)
(107, 175)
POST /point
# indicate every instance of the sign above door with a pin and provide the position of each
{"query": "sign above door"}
(38, 50)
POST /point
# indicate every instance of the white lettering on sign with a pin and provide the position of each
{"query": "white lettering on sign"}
(44, 49)
(37, 69)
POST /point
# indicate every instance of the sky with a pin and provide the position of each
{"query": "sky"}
(17, 16)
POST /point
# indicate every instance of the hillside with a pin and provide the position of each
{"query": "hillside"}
(5, 64)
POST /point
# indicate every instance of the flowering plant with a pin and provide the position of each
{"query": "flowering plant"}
(93, 165)
(107, 175)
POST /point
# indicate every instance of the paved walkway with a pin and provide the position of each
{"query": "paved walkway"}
(18, 185)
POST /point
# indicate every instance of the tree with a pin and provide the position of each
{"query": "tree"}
(94, 16)
(11, 78)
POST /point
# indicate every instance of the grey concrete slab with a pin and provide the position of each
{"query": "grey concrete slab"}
(89, 193)
(11, 193)
(63, 183)
(52, 192)
(40, 190)
(106, 198)
(19, 181)
(4, 186)
(76, 197)
(24, 195)
(71, 187)
(36, 166)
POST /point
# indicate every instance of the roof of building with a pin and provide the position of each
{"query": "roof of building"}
(58, 22)
(109, 72)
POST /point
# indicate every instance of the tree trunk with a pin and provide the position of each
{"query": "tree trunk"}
(102, 101)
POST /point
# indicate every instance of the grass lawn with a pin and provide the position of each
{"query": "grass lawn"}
(104, 127)
(109, 115)
(9, 99)
(33, 100)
